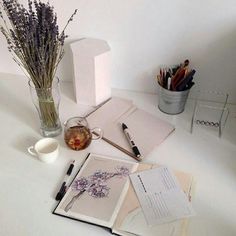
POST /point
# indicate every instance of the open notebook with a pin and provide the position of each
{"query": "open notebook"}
(102, 194)
(147, 130)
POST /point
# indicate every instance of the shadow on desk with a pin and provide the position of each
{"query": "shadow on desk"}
(23, 142)
(14, 104)
(210, 220)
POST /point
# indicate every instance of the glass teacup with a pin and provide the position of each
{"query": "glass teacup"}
(78, 135)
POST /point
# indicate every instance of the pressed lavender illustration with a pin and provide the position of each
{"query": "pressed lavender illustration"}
(96, 185)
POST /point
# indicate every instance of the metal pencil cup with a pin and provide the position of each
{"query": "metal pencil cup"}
(172, 102)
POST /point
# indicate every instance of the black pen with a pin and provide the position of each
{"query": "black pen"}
(62, 190)
(131, 141)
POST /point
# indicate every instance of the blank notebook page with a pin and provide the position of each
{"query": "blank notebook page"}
(146, 130)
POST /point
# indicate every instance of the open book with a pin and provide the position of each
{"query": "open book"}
(102, 194)
(147, 130)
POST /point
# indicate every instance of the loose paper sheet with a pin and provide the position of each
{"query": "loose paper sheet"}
(160, 196)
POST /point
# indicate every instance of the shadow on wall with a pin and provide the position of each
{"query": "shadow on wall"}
(214, 61)
(216, 64)
(13, 105)
(66, 70)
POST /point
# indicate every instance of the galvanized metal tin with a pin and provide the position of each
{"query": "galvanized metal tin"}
(172, 102)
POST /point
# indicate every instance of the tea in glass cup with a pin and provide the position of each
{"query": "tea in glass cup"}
(78, 135)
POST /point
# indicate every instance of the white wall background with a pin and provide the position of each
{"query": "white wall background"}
(145, 34)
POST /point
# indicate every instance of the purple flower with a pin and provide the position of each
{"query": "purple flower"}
(80, 184)
(33, 38)
(100, 176)
(123, 171)
(96, 184)
(98, 191)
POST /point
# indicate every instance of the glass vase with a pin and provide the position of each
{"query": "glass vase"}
(46, 101)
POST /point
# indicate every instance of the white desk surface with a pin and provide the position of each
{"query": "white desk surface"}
(28, 186)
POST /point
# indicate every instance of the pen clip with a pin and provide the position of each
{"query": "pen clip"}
(69, 171)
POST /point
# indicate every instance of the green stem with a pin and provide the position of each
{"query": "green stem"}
(47, 110)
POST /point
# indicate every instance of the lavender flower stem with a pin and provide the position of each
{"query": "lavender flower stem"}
(72, 201)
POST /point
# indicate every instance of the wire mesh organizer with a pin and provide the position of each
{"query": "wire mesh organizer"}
(210, 111)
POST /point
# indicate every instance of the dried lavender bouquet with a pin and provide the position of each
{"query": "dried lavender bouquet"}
(33, 39)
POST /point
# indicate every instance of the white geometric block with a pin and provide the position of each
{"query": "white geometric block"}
(92, 78)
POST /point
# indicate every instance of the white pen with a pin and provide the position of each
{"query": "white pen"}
(131, 141)
(169, 83)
